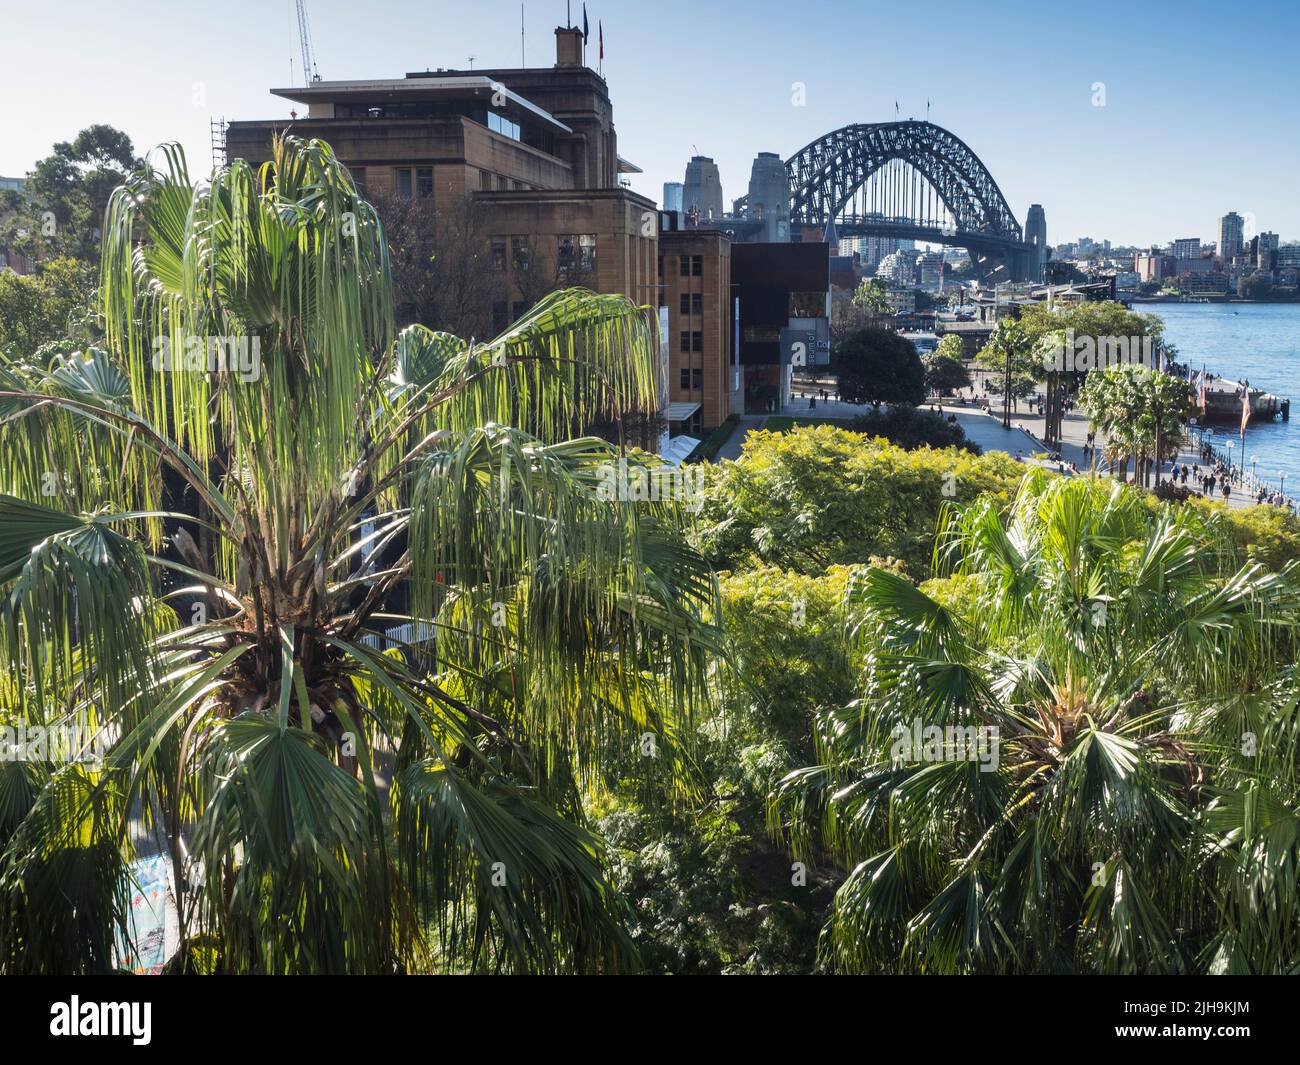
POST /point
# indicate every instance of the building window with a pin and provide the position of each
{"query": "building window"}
(500, 318)
(661, 266)
(697, 265)
(684, 341)
(685, 270)
(485, 181)
(685, 378)
(807, 304)
(520, 254)
(577, 252)
(697, 341)
(402, 181)
(424, 182)
(518, 309)
(499, 254)
(500, 124)
(697, 303)
(685, 303)
(697, 377)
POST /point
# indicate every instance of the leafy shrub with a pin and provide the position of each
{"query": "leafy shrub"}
(912, 427)
(821, 496)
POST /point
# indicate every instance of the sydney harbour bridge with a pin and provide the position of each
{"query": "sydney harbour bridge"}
(909, 180)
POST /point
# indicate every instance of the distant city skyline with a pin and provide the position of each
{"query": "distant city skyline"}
(1116, 119)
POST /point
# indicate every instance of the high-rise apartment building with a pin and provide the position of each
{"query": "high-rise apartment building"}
(1148, 265)
(1187, 248)
(930, 272)
(898, 268)
(1266, 245)
(1231, 233)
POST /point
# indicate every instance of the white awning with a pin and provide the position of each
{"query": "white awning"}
(677, 449)
(679, 412)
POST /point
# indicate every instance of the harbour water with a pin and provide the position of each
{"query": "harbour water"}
(1259, 342)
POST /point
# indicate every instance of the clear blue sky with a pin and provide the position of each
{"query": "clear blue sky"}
(1200, 114)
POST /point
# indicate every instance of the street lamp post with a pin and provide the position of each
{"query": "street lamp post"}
(1231, 444)
(1253, 459)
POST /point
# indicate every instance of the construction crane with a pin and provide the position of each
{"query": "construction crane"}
(309, 71)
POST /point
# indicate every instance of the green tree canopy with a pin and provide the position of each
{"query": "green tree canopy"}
(820, 496)
(1255, 287)
(1102, 318)
(51, 305)
(60, 211)
(878, 366)
(1011, 346)
(944, 370)
(872, 295)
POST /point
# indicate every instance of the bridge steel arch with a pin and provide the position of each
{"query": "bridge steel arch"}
(825, 174)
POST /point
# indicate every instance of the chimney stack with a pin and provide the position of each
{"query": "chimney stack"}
(568, 46)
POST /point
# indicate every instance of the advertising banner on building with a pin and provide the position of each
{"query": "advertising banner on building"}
(806, 342)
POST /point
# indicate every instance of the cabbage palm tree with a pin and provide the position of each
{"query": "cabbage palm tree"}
(1138, 808)
(1142, 411)
(350, 618)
